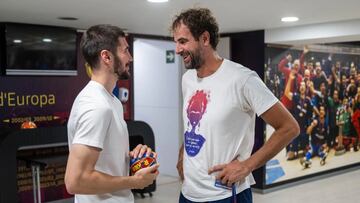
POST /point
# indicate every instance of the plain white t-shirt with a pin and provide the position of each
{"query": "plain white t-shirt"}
(96, 120)
(219, 122)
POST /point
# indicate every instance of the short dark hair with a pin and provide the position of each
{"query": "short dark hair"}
(98, 38)
(199, 20)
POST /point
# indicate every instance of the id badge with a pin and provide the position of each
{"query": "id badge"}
(219, 184)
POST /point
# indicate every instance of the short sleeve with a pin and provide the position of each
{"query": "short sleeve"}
(258, 97)
(92, 127)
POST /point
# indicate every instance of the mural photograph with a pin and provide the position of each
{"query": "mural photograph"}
(319, 84)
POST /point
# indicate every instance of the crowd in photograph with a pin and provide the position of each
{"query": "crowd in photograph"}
(322, 91)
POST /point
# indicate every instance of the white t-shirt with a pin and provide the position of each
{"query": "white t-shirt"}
(96, 120)
(219, 122)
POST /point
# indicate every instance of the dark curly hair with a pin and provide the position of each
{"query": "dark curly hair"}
(198, 20)
(98, 38)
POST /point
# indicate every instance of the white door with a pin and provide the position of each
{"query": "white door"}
(157, 95)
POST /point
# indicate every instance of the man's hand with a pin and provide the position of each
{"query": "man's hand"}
(289, 57)
(140, 150)
(230, 173)
(146, 176)
(305, 50)
(179, 164)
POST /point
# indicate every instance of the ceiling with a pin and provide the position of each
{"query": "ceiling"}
(142, 17)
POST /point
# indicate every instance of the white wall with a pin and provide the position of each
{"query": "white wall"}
(341, 31)
(157, 98)
(223, 48)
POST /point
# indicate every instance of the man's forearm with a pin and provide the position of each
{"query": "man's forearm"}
(179, 165)
(96, 182)
(278, 140)
(181, 151)
(286, 129)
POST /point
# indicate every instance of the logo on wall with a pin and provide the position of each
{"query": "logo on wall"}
(123, 94)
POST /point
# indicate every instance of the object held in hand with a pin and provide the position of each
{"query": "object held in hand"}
(139, 163)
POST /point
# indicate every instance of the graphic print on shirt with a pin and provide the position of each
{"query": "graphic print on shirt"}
(195, 110)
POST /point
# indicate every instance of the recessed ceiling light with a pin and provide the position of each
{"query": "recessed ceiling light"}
(17, 41)
(157, 1)
(47, 40)
(289, 19)
(67, 18)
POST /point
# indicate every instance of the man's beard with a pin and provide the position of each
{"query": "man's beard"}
(118, 66)
(195, 60)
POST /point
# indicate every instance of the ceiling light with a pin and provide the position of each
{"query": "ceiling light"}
(289, 19)
(47, 40)
(67, 18)
(157, 1)
(17, 41)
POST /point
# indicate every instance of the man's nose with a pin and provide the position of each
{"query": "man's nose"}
(130, 57)
(178, 49)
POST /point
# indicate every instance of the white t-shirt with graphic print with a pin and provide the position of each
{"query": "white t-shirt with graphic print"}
(219, 122)
(96, 120)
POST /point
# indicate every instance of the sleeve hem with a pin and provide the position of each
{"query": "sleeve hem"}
(267, 107)
(91, 144)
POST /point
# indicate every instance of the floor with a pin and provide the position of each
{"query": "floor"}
(334, 188)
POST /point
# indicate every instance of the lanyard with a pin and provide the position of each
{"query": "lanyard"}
(233, 188)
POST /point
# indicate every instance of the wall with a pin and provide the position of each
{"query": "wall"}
(27, 97)
(157, 99)
(223, 47)
(46, 100)
(248, 49)
(342, 31)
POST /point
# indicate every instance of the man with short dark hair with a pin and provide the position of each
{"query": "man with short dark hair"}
(98, 163)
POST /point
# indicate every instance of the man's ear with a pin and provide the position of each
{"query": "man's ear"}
(205, 38)
(105, 56)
